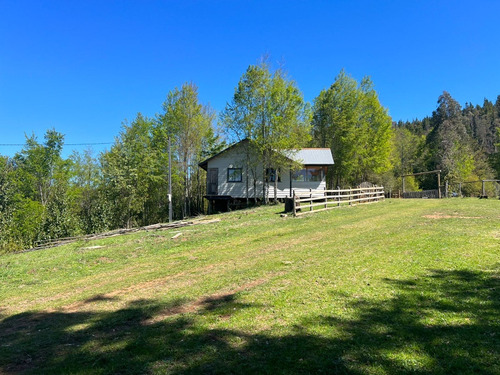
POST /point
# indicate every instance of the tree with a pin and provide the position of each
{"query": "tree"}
(188, 123)
(91, 206)
(376, 125)
(350, 120)
(449, 142)
(6, 202)
(38, 163)
(129, 170)
(240, 117)
(268, 110)
(289, 125)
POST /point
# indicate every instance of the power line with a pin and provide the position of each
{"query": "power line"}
(65, 144)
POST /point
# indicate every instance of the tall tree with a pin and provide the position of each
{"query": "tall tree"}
(92, 208)
(240, 117)
(129, 169)
(38, 163)
(350, 120)
(188, 123)
(289, 124)
(449, 141)
(267, 109)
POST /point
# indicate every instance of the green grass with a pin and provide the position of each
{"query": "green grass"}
(403, 286)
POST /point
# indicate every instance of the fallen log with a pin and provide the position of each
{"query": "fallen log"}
(117, 232)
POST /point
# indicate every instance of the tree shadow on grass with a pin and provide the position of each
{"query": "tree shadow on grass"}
(444, 323)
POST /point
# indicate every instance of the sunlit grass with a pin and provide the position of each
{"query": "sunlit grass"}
(395, 287)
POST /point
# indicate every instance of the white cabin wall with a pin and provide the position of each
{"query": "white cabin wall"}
(235, 158)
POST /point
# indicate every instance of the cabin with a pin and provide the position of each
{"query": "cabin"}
(227, 174)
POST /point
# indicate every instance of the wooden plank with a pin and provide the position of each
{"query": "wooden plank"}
(322, 203)
(329, 208)
(308, 199)
(117, 232)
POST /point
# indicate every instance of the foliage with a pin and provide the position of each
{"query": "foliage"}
(349, 119)
(129, 170)
(269, 111)
(460, 142)
(189, 124)
(88, 193)
(44, 196)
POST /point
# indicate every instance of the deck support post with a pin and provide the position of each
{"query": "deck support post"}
(294, 209)
(310, 202)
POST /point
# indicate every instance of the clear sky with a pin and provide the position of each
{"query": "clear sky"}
(82, 67)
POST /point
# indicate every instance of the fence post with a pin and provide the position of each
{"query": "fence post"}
(439, 185)
(294, 210)
(310, 200)
(338, 196)
(446, 189)
(326, 198)
(350, 196)
(484, 190)
(460, 190)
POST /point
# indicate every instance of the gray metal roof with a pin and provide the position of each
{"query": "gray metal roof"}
(313, 156)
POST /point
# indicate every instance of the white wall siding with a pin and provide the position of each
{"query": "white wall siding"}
(235, 158)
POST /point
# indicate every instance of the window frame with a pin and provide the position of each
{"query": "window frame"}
(234, 170)
(271, 175)
(304, 172)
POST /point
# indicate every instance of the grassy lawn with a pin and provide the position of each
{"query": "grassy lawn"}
(396, 287)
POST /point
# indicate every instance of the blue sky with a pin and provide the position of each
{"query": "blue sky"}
(82, 67)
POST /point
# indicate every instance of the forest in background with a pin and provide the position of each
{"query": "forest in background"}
(463, 142)
(44, 196)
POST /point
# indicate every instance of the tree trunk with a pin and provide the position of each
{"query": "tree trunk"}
(264, 183)
(255, 191)
(246, 180)
(276, 186)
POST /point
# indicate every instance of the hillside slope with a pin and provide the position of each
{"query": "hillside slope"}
(395, 287)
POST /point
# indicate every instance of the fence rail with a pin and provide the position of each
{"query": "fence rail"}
(305, 203)
(434, 194)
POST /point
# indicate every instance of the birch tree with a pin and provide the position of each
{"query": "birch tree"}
(267, 109)
(188, 123)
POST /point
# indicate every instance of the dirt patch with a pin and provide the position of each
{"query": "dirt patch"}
(439, 215)
(139, 288)
(208, 303)
(104, 260)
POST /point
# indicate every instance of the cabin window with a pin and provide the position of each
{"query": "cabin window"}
(271, 175)
(309, 174)
(299, 176)
(234, 175)
(314, 174)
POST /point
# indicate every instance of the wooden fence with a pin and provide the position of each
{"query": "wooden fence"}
(422, 194)
(321, 200)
